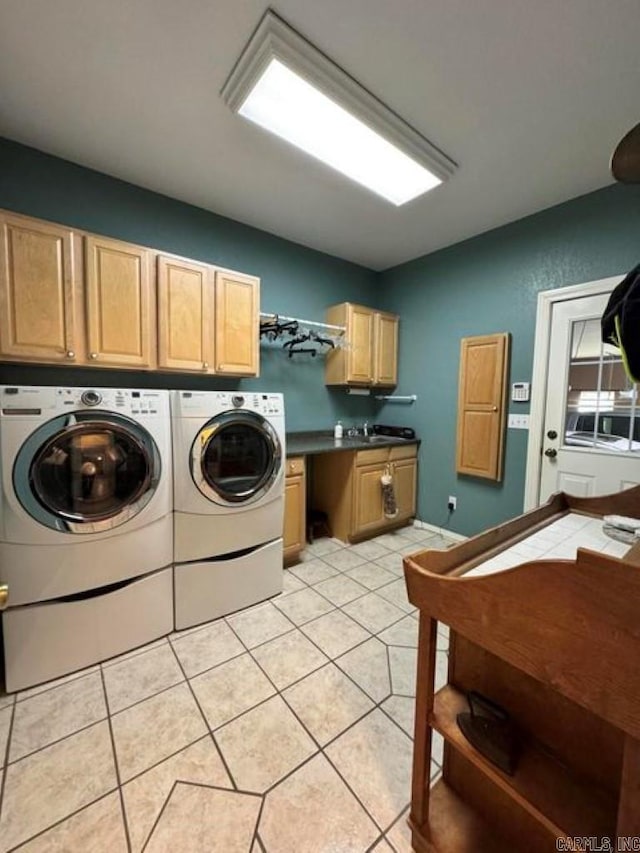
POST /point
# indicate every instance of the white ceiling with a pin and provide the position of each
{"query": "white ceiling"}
(528, 96)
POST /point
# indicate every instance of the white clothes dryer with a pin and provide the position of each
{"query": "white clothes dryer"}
(86, 532)
(229, 452)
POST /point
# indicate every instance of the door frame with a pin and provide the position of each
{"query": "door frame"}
(546, 301)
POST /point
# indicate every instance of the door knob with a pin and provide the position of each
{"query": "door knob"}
(4, 595)
(552, 434)
(551, 452)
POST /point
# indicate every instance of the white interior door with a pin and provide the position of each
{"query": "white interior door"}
(591, 442)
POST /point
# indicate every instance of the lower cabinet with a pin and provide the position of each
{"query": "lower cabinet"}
(347, 487)
(294, 533)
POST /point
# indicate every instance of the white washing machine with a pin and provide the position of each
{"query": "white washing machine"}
(86, 529)
(229, 451)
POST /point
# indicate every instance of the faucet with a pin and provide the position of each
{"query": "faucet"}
(365, 428)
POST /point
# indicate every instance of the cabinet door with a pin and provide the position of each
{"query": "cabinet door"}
(120, 306)
(237, 324)
(386, 349)
(481, 405)
(294, 533)
(359, 334)
(37, 291)
(185, 315)
(368, 511)
(404, 483)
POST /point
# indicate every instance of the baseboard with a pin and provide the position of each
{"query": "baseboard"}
(442, 531)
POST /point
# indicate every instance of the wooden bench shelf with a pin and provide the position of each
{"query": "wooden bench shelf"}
(547, 789)
(557, 643)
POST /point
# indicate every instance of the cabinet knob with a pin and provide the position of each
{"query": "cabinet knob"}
(93, 355)
(495, 409)
(70, 353)
(205, 365)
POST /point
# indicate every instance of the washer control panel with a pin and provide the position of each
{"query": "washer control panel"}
(36, 401)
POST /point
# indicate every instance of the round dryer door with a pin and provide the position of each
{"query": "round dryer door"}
(236, 458)
(86, 472)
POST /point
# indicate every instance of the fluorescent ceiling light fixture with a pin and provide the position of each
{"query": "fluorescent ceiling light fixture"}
(285, 85)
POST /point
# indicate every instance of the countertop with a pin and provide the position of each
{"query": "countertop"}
(322, 441)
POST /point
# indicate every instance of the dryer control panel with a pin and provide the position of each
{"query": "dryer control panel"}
(206, 404)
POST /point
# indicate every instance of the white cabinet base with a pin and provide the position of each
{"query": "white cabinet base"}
(207, 589)
(47, 640)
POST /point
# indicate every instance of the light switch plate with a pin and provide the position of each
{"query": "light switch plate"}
(518, 422)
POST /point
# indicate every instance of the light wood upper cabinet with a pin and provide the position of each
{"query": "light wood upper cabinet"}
(237, 324)
(68, 296)
(385, 349)
(353, 363)
(120, 304)
(482, 401)
(185, 315)
(38, 269)
(370, 354)
(294, 532)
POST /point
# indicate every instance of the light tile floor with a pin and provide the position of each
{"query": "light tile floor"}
(285, 727)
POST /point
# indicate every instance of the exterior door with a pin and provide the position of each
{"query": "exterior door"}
(591, 439)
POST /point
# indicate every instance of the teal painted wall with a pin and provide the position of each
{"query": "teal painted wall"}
(485, 285)
(295, 280)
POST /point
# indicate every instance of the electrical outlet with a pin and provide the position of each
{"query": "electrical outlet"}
(452, 503)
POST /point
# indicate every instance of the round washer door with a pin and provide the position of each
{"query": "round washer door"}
(235, 458)
(86, 472)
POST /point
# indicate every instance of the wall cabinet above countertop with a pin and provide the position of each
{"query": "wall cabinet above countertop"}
(70, 297)
(370, 356)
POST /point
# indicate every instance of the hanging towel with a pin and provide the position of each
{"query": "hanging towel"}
(388, 495)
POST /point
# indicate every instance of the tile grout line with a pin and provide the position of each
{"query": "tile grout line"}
(59, 740)
(170, 639)
(206, 723)
(321, 749)
(76, 677)
(5, 767)
(62, 820)
(116, 762)
(254, 837)
(158, 816)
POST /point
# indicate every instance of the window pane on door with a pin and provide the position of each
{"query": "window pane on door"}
(601, 400)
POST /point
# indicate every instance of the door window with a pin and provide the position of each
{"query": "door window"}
(601, 400)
